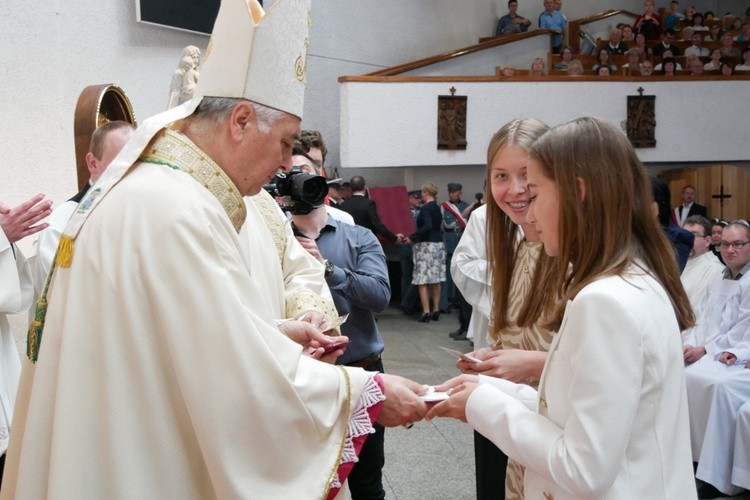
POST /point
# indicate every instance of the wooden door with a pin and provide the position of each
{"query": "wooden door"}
(724, 189)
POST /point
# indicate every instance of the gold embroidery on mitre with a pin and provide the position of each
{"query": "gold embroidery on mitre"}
(175, 150)
(300, 65)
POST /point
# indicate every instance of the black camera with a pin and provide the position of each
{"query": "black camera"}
(302, 192)
(479, 196)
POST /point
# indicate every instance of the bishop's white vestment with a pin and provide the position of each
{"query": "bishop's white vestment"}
(159, 375)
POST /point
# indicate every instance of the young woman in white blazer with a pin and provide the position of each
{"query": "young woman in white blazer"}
(610, 417)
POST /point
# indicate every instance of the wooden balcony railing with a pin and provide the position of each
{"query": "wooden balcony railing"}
(488, 43)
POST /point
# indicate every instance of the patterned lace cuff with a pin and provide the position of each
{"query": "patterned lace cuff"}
(359, 426)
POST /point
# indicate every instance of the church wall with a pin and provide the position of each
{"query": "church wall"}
(405, 116)
(53, 49)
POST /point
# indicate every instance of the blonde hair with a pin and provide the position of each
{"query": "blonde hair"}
(613, 227)
(503, 235)
(430, 188)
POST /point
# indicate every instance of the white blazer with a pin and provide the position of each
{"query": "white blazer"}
(610, 418)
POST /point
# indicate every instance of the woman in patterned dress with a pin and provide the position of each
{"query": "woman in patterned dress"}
(429, 254)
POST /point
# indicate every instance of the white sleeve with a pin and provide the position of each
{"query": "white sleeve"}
(469, 266)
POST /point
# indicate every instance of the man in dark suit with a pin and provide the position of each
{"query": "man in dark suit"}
(688, 208)
(365, 213)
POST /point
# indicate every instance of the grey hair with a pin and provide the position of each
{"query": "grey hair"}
(218, 109)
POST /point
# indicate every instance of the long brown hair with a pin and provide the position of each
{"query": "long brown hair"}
(503, 235)
(613, 227)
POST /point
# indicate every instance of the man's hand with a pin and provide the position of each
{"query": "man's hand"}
(306, 334)
(21, 221)
(455, 405)
(727, 358)
(401, 405)
(318, 319)
(693, 354)
(400, 239)
(311, 247)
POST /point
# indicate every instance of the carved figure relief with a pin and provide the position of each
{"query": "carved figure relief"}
(641, 122)
(451, 129)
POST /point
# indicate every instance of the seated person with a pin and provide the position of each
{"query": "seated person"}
(726, 68)
(511, 23)
(567, 56)
(642, 45)
(627, 34)
(509, 70)
(615, 45)
(602, 59)
(667, 39)
(714, 33)
(634, 59)
(538, 68)
(695, 66)
(686, 34)
(723, 317)
(603, 71)
(697, 47)
(745, 66)
(718, 382)
(647, 68)
(717, 227)
(697, 23)
(745, 35)
(702, 265)
(715, 62)
(575, 68)
(728, 49)
(668, 66)
(668, 55)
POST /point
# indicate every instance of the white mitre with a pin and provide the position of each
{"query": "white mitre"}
(253, 55)
(259, 57)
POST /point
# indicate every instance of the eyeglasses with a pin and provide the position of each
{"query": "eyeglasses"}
(735, 244)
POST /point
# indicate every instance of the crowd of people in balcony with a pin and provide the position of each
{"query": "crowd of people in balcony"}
(675, 44)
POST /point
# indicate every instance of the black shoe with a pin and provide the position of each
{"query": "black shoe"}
(706, 490)
(461, 337)
(458, 333)
(425, 318)
(435, 316)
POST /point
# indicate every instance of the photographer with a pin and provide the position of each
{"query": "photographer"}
(356, 272)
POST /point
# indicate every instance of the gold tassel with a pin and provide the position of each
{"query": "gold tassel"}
(65, 251)
(34, 337)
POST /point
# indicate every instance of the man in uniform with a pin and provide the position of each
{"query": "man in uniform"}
(157, 371)
(453, 227)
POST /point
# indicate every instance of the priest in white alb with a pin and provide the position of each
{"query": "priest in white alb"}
(157, 371)
(702, 265)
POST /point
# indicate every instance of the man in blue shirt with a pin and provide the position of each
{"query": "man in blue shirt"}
(555, 21)
(512, 23)
(357, 274)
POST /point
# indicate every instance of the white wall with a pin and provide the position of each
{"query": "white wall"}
(405, 118)
(55, 48)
